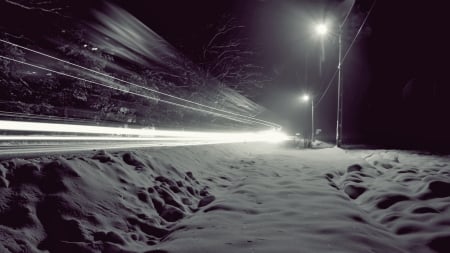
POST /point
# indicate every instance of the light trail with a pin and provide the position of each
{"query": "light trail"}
(89, 138)
(45, 149)
(44, 138)
(145, 88)
(141, 134)
(235, 118)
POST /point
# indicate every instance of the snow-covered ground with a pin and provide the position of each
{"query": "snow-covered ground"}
(227, 198)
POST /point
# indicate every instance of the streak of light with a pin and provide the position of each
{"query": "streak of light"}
(142, 87)
(235, 118)
(225, 137)
(88, 138)
(14, 150)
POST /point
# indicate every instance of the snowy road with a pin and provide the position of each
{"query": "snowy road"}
(279, 200)
(276, 199)
(236, 198)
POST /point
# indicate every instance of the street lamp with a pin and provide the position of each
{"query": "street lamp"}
(306, 98)
(322, 30)
(340, 95)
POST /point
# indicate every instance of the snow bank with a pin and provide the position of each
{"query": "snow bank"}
(226, 198)
(407, 193)
(99, 202)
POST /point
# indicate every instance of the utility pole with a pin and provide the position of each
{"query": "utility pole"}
(340, 95)
(312, 120)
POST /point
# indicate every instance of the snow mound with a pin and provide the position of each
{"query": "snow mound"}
(102, 203)
(405, 192)
(226, 198)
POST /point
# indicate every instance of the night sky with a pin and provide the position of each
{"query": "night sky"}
(396, 87)
(395, 78)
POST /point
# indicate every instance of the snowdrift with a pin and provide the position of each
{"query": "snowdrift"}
(226, 198)
(101, 202)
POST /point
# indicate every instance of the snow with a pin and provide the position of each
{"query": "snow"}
(226, 198)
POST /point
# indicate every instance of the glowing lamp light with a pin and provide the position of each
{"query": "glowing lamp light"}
(305, 98)
(321, 29)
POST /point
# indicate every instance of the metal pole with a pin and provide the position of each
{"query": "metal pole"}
(312, 120)
(307, 85)
(339, 102)
(306, 69)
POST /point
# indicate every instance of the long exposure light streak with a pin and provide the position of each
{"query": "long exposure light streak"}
(88, 138)
(235, 118)
(100, 132)
(145, 88)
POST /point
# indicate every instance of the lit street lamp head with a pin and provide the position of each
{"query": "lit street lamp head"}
(321, 29)
(305, 98)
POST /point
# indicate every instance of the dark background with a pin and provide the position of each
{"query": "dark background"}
(395, 78)
(396, 86)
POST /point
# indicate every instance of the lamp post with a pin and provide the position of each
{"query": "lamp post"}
(340, 95)
(322, 30)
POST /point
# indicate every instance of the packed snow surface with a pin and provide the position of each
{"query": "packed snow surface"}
(226, 198)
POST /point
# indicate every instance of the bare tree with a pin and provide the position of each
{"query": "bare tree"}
(231, 58)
